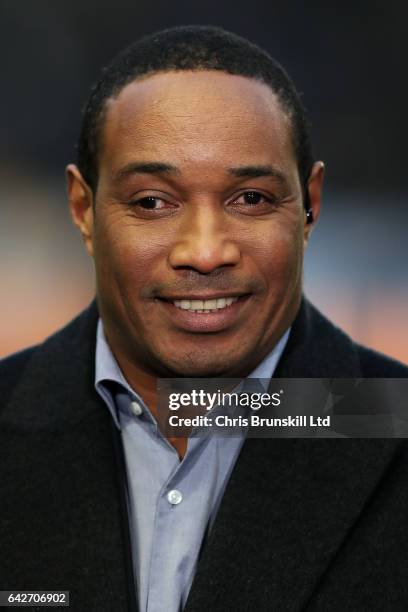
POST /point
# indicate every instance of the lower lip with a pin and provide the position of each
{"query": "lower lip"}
(206, 322)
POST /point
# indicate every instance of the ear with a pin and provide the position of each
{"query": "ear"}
(81, 205)
(314, 188)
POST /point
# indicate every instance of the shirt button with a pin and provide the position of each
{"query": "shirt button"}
(136, 408)
(174, 497)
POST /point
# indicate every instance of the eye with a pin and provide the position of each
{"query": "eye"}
(149, 203)
(250, 197)
(151, 206)
(254, 201)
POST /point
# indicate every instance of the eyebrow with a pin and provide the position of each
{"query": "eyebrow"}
(258, 171)
(146, 168)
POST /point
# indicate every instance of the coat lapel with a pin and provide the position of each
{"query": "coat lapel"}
(290, 502)
(62, 516)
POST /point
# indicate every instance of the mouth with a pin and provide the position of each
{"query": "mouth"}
(204, 314)
(205, 306)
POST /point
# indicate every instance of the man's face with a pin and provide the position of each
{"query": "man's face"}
(198, 228)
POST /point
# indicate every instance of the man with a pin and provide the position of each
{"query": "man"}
(195, 192)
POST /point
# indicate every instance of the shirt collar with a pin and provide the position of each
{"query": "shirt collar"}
(107, 370)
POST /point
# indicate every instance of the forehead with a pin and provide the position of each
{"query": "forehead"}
(204, 117)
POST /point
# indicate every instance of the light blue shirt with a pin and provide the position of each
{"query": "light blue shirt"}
(172, 503)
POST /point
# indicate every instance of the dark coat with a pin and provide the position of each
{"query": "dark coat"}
(305, 524)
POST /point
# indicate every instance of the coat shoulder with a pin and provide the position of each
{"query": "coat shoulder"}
(50, 354)
(11, 370)
(378, 365)
(317, 348)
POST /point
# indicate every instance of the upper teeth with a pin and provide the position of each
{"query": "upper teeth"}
(204, 305)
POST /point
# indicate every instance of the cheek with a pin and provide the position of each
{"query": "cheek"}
(278, 255)
(126, 258)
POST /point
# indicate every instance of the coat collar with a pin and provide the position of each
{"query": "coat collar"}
(317, 349)
(59, 371)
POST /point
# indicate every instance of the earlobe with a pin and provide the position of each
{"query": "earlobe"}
(81, 205)
(314, 195)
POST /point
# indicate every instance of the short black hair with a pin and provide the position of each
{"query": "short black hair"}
(191, 48)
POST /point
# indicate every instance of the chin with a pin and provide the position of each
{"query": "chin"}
(206, 361)
(200, 372)
(189, 366)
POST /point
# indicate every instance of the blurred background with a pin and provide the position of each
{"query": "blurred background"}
(349, 64)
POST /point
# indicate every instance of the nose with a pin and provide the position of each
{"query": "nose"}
(204, 242)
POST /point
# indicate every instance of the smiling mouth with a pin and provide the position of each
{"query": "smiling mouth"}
(205, 306)
(211, 313)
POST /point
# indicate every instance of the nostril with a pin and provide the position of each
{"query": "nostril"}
(213, 272)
